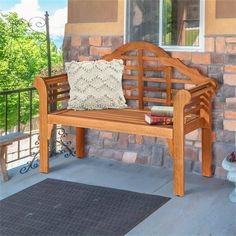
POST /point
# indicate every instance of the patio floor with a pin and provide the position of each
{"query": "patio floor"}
(205, 209)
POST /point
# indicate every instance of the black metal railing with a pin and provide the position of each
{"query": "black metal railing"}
(17, 110)
(18, 116)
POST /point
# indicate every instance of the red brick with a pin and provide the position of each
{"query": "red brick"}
(200, 154)
(83, 58)
(131, 138)
(123, 141)
(182, 55)
(139, 139)
(142, 159)
(149, 140)
(106, 41)
(191, 153)
(231, 48)
(76, 41)
(100, 51)
(95, 41)
(217, 58)
(220, 45)
(230, 115)
(231, 100)
(127, 92)
(108, 143)
(105, 134)
(203, 69)
(213, 136)
(198, 144)
(230, 40)
(201, 58)
(209, 44)
(116, 41)
(220, 172)
(230, 68)
(85, 40)
(194, 135)
(189, 143)
(189, 86)
(129, 157)
(112, 154)
(161, 141)
(230, 79)
(230, 125)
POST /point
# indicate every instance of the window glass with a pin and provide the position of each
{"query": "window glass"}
(142, 20)
(168, 23)
(180, 24)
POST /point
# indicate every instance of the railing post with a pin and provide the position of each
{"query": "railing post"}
(48, 44)
(52, 141)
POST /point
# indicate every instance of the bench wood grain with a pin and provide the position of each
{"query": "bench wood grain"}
(145, 65)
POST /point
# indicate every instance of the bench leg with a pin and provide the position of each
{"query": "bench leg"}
(80, 143)
(178, 152)
(206, 152)
(43, 144)
(3, 169)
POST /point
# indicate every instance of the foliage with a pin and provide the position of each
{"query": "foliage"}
(144, 22)
(191, 36)
(23, 55)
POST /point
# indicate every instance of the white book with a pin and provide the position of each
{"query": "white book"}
(162, 110)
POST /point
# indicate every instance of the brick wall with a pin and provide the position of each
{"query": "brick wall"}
(218, 61)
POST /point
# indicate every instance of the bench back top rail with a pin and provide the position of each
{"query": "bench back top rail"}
(150, 77)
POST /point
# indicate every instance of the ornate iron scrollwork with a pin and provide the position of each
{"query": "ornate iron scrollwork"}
(65, 147)
(60, 147)
(34, 163)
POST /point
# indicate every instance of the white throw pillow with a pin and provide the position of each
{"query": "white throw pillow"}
(95, 84)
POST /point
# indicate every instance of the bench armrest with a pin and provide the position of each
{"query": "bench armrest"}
(51, 90)
(194, 104)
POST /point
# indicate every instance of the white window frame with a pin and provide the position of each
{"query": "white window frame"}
(199, 48)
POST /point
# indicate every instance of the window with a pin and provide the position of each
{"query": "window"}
(171, 24)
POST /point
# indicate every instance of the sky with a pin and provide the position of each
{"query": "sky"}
(27, 9)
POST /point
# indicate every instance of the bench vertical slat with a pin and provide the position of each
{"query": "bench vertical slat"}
(207, 141)
(140, 79)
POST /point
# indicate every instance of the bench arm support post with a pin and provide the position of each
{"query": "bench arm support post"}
(182, 98)
(43, 124)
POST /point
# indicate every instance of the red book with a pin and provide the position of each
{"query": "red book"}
(158, 120)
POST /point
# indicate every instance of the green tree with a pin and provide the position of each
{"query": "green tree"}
(22, 57)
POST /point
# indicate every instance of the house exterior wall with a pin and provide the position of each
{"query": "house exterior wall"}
(216, 25)
(98, 27)
(89, 41)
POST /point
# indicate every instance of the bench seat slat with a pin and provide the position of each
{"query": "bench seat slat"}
(123, 120)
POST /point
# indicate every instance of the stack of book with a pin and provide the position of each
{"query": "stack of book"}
(160, 115)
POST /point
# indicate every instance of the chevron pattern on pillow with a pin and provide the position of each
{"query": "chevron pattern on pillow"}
(95, 84)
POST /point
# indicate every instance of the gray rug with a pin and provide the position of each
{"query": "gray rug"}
(56, 207)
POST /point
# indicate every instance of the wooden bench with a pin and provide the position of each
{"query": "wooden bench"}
(150, 77)
(4, 142)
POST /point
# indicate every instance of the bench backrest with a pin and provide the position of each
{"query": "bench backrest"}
(150, 77)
